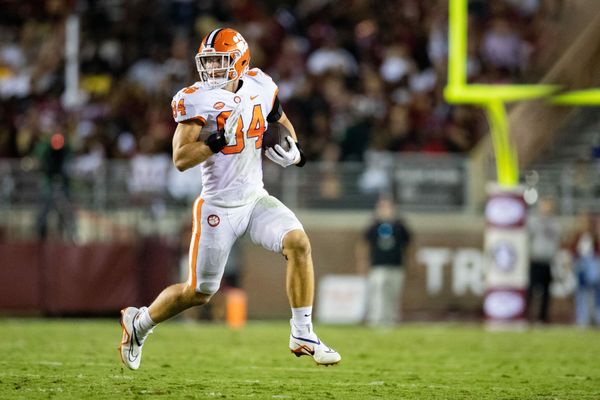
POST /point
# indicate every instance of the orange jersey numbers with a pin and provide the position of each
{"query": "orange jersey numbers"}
(190, 89)
(255, 130)
(239, 134)
(174, 109)
(178, 108)
(257, 126)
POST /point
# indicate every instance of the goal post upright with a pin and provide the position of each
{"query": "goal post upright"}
(505, 240)
(492, 98)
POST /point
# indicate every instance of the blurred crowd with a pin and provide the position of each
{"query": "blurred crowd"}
(352, 76)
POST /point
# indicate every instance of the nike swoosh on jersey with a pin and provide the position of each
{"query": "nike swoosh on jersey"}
(253, 97)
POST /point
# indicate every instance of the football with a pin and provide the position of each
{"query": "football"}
(276, 134)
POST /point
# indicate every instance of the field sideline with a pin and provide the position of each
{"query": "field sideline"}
(78, 359)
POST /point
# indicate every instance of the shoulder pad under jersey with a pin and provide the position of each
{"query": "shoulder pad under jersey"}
(191, 103)
(269, 87)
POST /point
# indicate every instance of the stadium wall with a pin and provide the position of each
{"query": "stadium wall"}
(56, 278)
(444, 277)
(444, 272)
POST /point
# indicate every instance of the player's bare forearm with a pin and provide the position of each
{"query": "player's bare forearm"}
(187, 150)
(190, 155)
(287, 123)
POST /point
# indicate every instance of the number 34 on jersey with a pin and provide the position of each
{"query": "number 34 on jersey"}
(255, 129)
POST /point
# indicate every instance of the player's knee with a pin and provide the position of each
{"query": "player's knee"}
(201, 298)
(208, 288)
(195, 298)
(296, 242)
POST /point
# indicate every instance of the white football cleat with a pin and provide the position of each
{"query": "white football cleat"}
(131, 342)
(314, 347)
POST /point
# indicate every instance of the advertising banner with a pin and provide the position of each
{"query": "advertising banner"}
(506, 255)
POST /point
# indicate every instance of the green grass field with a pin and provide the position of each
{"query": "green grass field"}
(78, 359)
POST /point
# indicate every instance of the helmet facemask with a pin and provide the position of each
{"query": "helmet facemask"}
(217, 69)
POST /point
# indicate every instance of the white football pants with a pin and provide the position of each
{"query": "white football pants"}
(215, 230)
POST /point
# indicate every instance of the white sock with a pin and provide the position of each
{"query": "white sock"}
(302, 320)
(143, 323)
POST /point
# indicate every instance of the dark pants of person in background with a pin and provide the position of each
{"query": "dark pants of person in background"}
(55, 195)
(540, 277)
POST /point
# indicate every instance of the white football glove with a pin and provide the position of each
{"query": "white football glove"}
(284, 158)
(231, 123)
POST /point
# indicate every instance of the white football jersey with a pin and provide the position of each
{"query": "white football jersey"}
(233, 176)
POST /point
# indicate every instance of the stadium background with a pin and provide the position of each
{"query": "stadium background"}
(363, 86)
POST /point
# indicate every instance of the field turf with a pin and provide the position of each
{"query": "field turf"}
(78, 359)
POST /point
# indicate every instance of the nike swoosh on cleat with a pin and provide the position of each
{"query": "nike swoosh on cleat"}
(307, 315)
(130, 355)
(307, 340)
(135, 334)
(303, 349)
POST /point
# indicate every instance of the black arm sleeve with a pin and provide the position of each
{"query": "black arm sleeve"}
(276, 112)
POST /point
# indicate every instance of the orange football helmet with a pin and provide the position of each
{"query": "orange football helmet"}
(223, 57)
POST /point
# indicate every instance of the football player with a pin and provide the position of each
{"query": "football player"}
(221, 120)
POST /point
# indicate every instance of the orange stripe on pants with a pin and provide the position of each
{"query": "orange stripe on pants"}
(195, 241)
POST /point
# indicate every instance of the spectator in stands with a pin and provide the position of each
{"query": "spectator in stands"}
(379, 58)
(331, 57)
(502, 46)
(544, 244)
(53, 152)
(586, 249)
(382, 256)
(395, 132)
